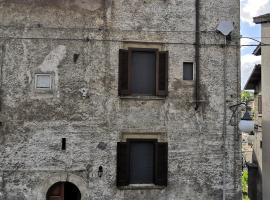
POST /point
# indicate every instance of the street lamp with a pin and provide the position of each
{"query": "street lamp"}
(246, 123)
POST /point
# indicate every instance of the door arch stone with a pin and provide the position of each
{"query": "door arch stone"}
(63, 191)
(41, 191)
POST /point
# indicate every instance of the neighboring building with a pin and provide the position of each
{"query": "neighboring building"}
(255, 164)
(119, 99)
(264, 20)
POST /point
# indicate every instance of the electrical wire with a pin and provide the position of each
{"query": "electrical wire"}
(126, 30)
(39, 26)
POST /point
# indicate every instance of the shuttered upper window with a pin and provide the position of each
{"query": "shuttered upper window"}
(142, 162)
(143, 72)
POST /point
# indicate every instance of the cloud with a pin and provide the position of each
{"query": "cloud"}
(247, 64)
(253, 8)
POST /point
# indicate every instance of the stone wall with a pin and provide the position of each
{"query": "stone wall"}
(43, 36)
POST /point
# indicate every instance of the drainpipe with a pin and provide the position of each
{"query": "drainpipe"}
(197, 55)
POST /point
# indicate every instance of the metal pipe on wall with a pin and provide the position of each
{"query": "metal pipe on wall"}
(197, 54)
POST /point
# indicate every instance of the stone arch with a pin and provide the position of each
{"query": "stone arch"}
(63, 177)
(63, 191)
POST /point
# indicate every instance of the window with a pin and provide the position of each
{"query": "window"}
(143, 72)
(43, 81)
(142, 162)
(259, 104)
(188, 71)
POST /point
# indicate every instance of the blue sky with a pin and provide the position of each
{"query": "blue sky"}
(250, 9)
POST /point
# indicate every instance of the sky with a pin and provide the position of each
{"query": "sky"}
(250, 9)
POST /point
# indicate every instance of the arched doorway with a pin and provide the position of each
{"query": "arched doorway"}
(63, 191)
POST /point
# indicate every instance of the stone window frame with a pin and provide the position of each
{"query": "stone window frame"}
(189, 82)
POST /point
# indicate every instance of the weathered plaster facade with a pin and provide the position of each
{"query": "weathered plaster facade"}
(43, 36)
(255, 163)
(264, 20)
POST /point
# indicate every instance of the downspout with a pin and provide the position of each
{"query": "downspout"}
(197, 54)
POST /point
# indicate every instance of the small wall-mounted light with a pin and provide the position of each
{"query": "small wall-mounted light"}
(246, 123)
(100, 171)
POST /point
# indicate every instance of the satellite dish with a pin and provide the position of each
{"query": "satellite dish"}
(225, 27)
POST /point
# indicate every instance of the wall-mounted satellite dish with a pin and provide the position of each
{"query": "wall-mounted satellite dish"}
(225, 27)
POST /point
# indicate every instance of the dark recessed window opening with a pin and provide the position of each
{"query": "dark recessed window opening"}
(143, 72)
(261, 144)
(75, 57)
(63, 143)
(142, 162)
(188, 71)
(259, 104)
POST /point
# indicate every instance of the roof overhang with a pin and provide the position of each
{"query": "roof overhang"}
(254, 79)
(262, 19)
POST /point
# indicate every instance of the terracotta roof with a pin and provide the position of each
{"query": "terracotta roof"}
(254, 79)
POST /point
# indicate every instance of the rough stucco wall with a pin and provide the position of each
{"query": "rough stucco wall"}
(266, 111)
(34, 123)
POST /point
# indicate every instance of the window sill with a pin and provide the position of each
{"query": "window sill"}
(188, 83)
(142, 187)
(142, 97)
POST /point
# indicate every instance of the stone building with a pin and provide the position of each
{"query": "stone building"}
(255, 163)
(263, 153)
(119, 99)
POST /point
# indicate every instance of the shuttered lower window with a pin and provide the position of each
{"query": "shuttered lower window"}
(142, 162)
(143, 72)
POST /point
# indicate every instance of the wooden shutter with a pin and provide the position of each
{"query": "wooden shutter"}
(123, 80)
(162, 74)
(161, 164)
(122, 164)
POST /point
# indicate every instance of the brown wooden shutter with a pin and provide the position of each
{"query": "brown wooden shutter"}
(162, 74)
(122, 164)
(123, 81)
(161, 164)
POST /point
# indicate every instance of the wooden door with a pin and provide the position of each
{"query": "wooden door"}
(56, 192)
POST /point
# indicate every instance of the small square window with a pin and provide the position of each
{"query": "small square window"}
(188, 71)
(43, 81)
